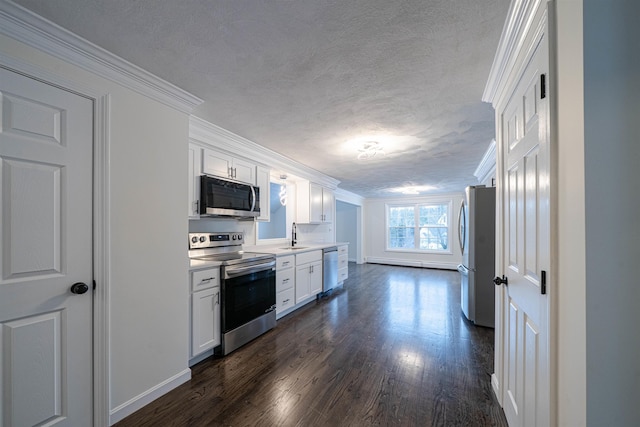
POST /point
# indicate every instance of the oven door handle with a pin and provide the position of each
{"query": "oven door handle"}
(250, 269)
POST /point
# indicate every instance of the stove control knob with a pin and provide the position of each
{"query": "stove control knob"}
(202, 239)
(194, 239)
(233, 237)
(239, 236)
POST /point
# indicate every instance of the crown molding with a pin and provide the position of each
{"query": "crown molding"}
(487, 165)
(203, 132)
(519, 20)
(33, 30)
(348, 197)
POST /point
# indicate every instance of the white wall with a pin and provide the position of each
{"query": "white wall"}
(347, 229)
(148, 268)
(612, 160)
(375, 237)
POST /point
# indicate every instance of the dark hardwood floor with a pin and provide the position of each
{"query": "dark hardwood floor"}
(391, 348)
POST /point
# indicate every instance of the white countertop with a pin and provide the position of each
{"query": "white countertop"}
(277, 250)
(196, 264)
(282, 250)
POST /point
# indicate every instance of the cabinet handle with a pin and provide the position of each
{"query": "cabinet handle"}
(207, 280)
(217, 298)
(285, 301)
(285, 280)
(197, 210)
(285, 263)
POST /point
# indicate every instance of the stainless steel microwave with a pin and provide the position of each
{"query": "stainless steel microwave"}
(221, 197)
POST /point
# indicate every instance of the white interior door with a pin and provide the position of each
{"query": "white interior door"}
(46, 142)
(526, 247)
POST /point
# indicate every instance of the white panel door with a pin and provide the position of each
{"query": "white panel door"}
(46, 141)
(525, 207)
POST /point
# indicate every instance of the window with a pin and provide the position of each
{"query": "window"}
(419, 227)
(276, 228)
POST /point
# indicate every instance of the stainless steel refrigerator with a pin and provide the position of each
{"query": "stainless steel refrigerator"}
(477, 227)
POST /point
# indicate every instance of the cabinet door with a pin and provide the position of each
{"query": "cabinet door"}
(302, 282)
(244, 171)
(315, 278)
(263, 181)
(327, 205)
(205, 320)
(315, 203)
(215, 163)
(195, 155)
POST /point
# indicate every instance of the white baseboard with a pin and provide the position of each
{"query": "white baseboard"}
(496, 387)
(412, 263)
(148, 396)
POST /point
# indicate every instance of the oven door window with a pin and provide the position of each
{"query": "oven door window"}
(247, 297)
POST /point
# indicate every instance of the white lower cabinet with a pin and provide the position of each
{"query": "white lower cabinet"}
(205, 320)
(205, 310)
(343, 263)
(285, 283)
(308, 275)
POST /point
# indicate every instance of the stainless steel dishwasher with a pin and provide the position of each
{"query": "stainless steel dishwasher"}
(330, 268)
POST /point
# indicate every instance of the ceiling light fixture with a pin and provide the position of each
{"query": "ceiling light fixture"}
(369, 150)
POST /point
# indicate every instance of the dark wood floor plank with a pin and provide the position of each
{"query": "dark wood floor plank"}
(391, 348)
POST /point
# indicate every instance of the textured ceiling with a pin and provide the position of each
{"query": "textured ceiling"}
(306, 78)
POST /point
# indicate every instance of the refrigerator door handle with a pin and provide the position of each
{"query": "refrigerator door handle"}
(461, 225)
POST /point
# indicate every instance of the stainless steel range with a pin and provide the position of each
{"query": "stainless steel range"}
(247, 287)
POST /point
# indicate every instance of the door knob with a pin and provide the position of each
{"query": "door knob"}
(79, 288)
(499, 281)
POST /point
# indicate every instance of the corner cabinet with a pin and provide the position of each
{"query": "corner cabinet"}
(314, 204)
(195, 170)
(226, 166)
(205, 310)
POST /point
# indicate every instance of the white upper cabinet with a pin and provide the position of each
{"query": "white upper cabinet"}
(315, 204)
(195, 155)
(226, 166)
(328, 205)
(263, 181)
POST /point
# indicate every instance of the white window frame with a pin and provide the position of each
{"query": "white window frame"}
(416, 205)
(288, 218)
